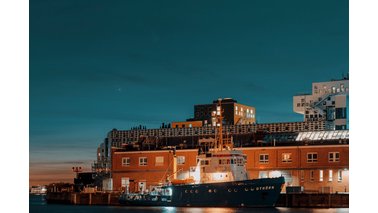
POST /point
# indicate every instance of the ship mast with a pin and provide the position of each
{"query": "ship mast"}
(219, 123)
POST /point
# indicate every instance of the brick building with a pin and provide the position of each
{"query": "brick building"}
(320, 164)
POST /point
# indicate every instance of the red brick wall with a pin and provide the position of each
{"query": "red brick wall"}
(153, 174)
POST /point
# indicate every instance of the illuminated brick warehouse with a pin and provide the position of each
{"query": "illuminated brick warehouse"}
(312, 155)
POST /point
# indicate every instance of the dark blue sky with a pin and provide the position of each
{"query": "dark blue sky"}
(97, 65)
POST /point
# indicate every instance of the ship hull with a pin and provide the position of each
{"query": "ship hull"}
(263, 192)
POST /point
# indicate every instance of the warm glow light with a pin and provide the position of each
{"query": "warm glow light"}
(219, 176)
(275, 174)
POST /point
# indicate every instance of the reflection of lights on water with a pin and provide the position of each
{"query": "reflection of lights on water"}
(206, 210)
(169, 209)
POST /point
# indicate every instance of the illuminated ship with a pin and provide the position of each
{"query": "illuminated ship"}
(220, 179)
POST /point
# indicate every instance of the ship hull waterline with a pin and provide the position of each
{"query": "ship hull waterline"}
(263, 192)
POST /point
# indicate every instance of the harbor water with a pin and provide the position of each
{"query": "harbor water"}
(37, 204)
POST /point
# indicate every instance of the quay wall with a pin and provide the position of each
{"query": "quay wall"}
(300, 200)
(303, 200)
(78, 198)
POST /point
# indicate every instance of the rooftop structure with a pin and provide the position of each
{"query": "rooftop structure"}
(328, 102)
(234, 113)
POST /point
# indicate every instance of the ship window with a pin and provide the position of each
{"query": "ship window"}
(312, 157)
(333, 156)
(204, 162)
(264, 158)
(215, 191)
(143, 161)
(125, 161)
(209, 191)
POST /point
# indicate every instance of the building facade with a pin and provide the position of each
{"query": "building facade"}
(234, 113)
(317, 165)
(328, 102)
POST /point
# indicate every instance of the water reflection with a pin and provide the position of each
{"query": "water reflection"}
(242, 210)
(218, 210)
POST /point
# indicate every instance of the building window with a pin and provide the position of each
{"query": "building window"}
(340, 113)
(180, 160)
(143, 161)
(125, 161)
(340, 175)
(286, 158)
(312, 157)
(330, 175)
(125, 182)
(264, 158)
(333, 156)
(312, 175)
(159, 161)
(320, 175)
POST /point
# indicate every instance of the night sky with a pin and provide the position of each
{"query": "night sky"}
(97, 65)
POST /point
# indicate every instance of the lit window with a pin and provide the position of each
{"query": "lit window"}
(264, 158)
(320, 175)
(180, 160)
(190, 125)
(159, 161)
(286, 157)
(333, 156)
(241, 109)
(143, 161)
(340, 175)
(330, 175)
(312, 157)
(125, 161)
